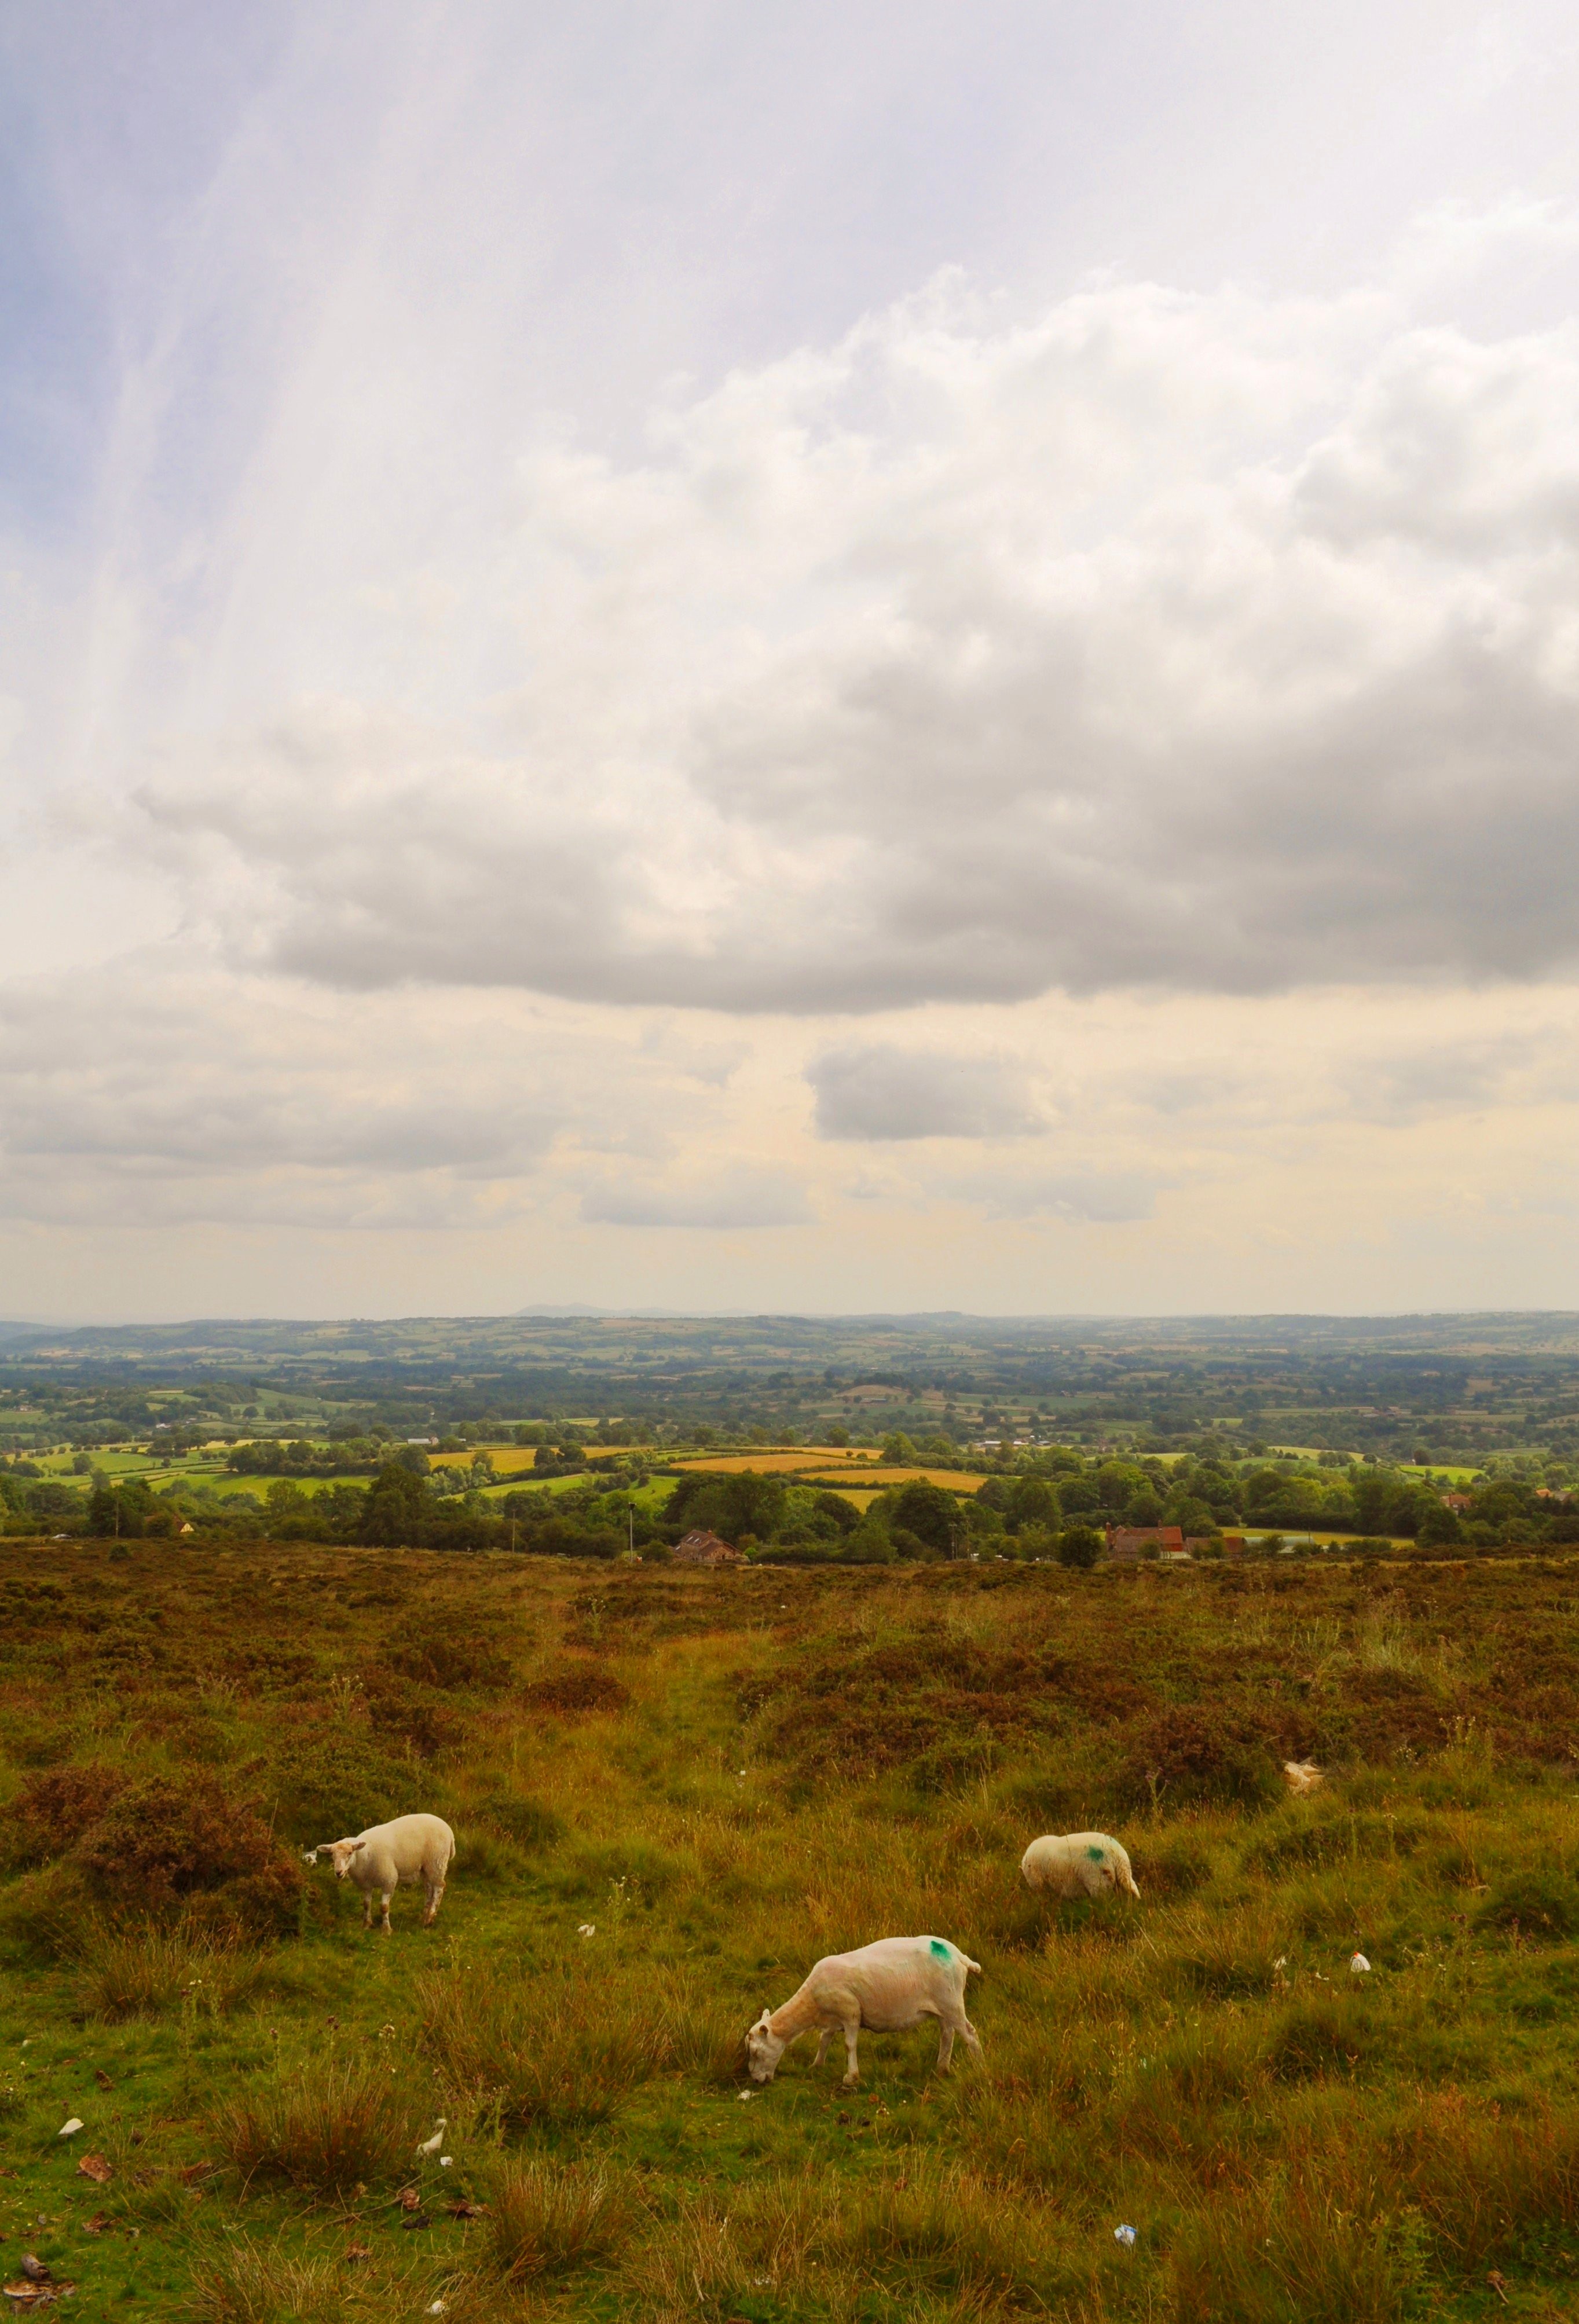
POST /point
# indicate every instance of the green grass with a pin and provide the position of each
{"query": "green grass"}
(771, 1765)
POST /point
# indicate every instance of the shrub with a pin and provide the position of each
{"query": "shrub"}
(575, 1688)
(50, 1813)
(185, 1843)
(1199, 1752)
(325, 2126)
(446, 1658)
(334, 1780)
(1080, 1546)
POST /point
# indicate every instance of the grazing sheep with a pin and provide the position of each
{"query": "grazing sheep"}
(1302, 1775)
(412, 1847)
(1078, 1864)
(888, 1987)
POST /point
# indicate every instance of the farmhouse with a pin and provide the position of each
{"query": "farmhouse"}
(700, 1547)
(1127, 1544)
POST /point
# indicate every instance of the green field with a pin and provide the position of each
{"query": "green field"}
(723, 1776)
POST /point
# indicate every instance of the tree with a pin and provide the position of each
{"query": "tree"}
(1080, 1544)
(928, 1512)
(1031, 1502)
(397, 1505)
(1438, 1526)
(869, 1545)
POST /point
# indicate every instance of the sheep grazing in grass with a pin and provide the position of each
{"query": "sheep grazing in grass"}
(412, 1847)
(1077, 1864)
(1302, 1777)
(887, 1987)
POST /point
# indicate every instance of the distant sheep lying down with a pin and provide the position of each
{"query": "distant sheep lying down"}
(412, 1847)
(887, 1987)
(1077, 1864)
(1302, 1775)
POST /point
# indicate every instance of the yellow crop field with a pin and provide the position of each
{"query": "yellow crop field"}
(833, 1466)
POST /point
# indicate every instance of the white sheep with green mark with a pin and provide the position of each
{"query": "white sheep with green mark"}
(1077, 1864)
(887, 1987)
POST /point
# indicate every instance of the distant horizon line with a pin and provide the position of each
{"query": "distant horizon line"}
(576, 1311)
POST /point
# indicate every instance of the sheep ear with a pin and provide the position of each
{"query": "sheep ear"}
(762, 2020)
(358, 1846)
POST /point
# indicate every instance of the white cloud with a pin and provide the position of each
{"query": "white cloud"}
(1212, 642)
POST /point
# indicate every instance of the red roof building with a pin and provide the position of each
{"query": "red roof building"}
(700, 1547)
(1128, 1543)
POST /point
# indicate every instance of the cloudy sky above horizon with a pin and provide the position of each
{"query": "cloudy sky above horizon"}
(813, 657)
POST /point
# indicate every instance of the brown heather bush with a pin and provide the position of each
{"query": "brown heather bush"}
(52, 1812)
(186, 1843)
(573, 1688)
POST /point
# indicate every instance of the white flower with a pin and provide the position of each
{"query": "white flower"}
(445, 2161)
(587, 1929)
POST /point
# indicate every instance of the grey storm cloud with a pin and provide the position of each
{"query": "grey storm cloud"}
(881, 1091)
(1195, 643)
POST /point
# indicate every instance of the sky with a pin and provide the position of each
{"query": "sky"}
(824, 658)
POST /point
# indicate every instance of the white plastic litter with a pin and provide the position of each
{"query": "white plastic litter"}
(1359, 1966)
(745, 2095)
(69, 2129)
(445, 2161)
(1125, 2235)
(434, 2308)
(587, 1929)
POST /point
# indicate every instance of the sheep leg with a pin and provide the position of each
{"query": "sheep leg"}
(435, 1898)
(367, 1908)
(826, 2036)
(852, 2033)
(384, 1896)
(945, 2045)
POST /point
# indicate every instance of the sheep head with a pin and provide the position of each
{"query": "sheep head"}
(763, 2049)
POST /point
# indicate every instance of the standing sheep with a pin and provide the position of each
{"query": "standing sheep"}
(412, 1847)
(888, 1987)
(1079, 1864)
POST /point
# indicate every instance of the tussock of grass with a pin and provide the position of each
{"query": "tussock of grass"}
(566, 2047)
(548, 2220)
(245, 2281)
(324, 2127)
(938, 2239)
(142, 1972)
